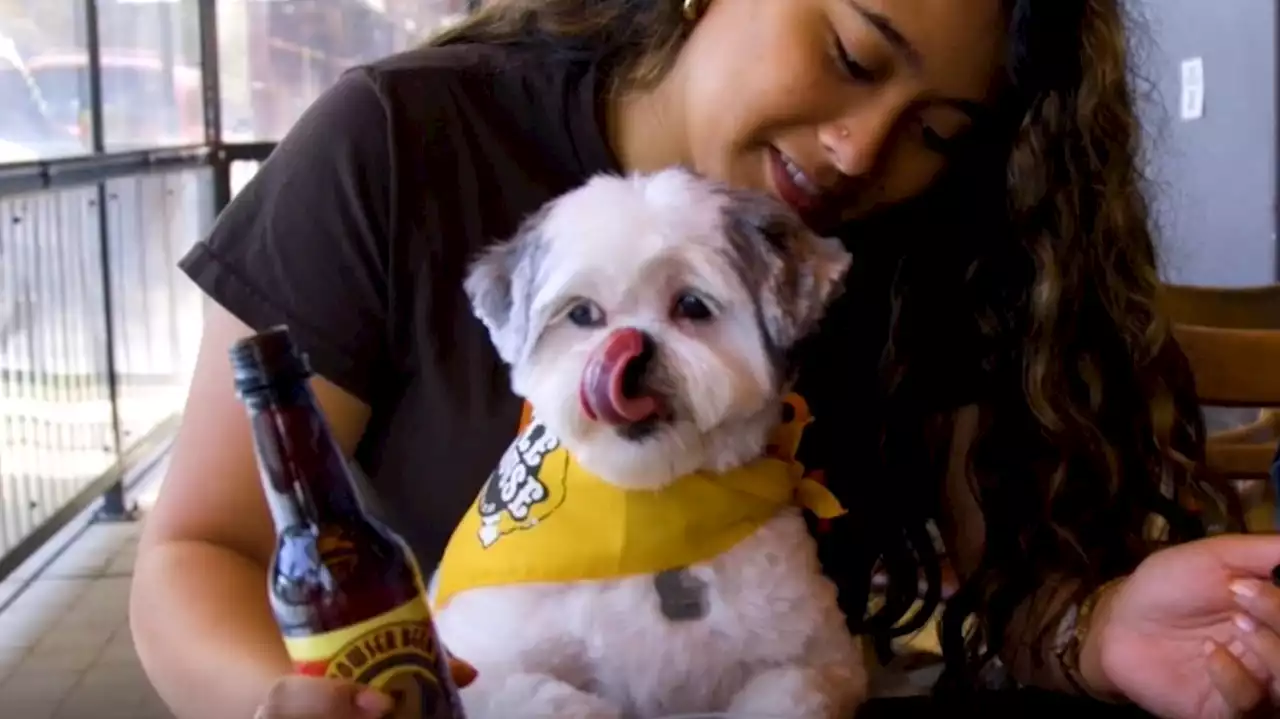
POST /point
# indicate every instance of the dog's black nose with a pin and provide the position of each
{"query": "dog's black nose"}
(634, 374)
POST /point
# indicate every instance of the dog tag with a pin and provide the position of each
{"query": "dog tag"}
(681, 596)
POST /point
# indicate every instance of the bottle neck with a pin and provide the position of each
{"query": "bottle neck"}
(304, 472)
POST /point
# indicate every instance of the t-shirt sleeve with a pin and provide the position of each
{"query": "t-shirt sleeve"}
(306, 242)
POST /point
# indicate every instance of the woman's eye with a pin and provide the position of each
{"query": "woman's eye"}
(691, 307)
(852, 67)
(586, 314)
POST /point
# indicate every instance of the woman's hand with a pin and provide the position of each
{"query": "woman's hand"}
(1194, 633)
(299, 697)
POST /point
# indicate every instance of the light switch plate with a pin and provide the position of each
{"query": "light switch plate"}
(1192, 103)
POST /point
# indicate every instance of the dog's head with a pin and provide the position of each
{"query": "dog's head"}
(649, 319)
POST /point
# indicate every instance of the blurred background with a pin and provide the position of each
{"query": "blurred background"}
(125, 126)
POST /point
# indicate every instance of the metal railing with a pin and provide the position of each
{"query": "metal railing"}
(98, 327)
(98, 330)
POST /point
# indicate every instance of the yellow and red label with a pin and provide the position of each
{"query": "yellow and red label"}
(395, 652)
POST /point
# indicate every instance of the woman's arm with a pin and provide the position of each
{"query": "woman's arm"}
(304, 244)
(962, 527)
(198, 608)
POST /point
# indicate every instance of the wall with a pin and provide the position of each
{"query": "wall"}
(1214, 178)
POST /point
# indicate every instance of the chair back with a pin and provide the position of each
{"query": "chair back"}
(1241, 308)
(1229, 334)
(1237, 368)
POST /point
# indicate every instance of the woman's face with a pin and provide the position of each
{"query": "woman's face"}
(836, 106)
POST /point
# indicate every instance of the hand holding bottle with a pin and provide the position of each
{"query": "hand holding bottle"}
(303, 697)
(344, 589)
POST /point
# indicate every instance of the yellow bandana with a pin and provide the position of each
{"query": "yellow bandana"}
(541, 517)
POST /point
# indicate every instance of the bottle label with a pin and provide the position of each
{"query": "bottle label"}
(395, 652)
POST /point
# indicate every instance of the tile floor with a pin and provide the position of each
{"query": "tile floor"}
(65, 647)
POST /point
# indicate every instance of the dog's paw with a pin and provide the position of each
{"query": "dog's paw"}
(535, 695)
(799, 692)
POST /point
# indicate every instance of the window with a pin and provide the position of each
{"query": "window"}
(151, 82)
(29, 130)
(275, 58)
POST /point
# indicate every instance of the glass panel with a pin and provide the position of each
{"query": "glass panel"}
(55, 413)
(151, 91)
(43, 117)
(275, 58)
(55, 410)
(151, 222)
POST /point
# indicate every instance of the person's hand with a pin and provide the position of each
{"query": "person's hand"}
(1194, 633)
(301, 697)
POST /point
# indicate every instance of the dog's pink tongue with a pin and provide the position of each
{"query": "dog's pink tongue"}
(603, 391)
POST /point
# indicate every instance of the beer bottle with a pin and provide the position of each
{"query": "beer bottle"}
(345, 591)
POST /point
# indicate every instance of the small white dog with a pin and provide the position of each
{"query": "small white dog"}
(648, 321)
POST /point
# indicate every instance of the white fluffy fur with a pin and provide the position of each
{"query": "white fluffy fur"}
(774, 643)
(630, 245)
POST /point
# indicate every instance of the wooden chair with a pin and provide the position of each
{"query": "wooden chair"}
(1240, 308)
(1227, 333)
(1237, 368)
(1230, 336)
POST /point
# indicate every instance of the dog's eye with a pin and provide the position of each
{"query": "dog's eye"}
(691, 307)
(586, 314)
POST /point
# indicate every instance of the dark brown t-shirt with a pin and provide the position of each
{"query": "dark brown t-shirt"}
(357, 232)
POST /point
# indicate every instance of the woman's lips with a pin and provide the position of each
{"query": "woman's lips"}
(793, 185)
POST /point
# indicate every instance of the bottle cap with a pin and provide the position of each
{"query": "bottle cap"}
(267, 359)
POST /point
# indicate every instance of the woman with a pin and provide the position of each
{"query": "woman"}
(996, 366)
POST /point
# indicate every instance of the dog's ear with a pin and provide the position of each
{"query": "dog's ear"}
(794, 272)
(500, 286)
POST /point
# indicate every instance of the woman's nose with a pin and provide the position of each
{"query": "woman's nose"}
(854, 144)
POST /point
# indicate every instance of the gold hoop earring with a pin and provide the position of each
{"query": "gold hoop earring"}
(693, 9)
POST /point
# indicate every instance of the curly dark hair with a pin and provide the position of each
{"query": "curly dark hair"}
(1090, 449)
(1089, 427)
